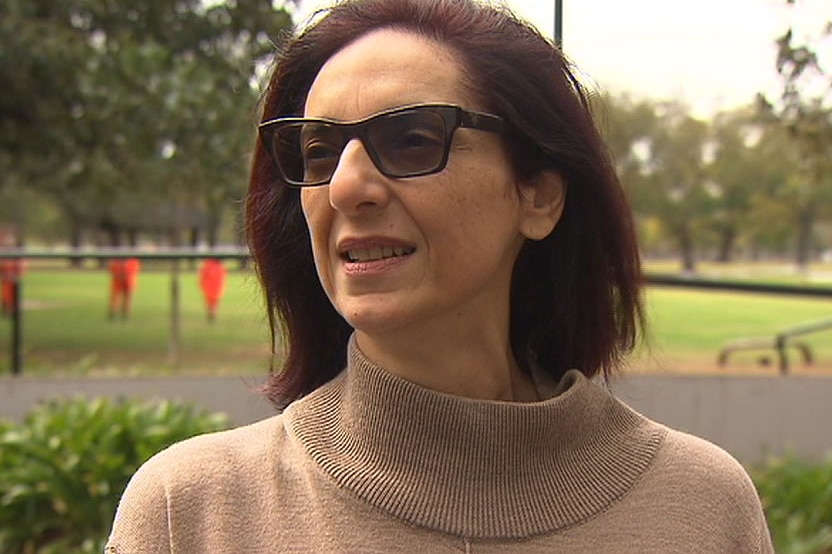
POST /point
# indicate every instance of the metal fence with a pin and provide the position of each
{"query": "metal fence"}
(779, 342)
(174, 257)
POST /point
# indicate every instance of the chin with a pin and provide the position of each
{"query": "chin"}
(374, 325)
(374, 320)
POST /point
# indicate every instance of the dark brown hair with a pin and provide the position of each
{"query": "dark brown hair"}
(575, 296)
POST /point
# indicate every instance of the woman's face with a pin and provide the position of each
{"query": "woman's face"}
(427, 253)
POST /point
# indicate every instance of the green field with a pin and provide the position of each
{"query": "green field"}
(66, 330)
(689, 327)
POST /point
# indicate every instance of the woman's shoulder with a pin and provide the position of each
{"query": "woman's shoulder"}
(194, 480)
(232, 447)
(704, 474)
(210, 459)
(696, 488)
(698, 457)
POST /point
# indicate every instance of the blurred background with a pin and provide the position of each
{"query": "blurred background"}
(128, 127)
(125, 135)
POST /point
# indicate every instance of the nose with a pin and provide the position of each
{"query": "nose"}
(357, 185)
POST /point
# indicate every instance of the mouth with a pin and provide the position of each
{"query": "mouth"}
(361, 255)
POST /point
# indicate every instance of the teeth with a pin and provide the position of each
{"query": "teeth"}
(377, 253)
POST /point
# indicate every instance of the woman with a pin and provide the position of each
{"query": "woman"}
(450, 258)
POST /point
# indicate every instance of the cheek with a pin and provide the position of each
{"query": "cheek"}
(485, 209)
(314, 212)
(314, 206)
(474, 229)
(307, 205)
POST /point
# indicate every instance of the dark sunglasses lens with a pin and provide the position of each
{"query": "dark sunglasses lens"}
(307, 153)
(409, 143)
(403, 144)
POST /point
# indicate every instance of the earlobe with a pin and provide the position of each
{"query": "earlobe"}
(542, 200)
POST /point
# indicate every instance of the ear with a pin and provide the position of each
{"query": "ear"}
(541, 203)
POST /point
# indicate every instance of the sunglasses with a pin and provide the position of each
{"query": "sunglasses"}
(410, 141)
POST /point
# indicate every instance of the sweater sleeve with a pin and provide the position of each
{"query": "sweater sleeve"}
(755, 516)
(766, 546)
(142, 520)
(720, 499)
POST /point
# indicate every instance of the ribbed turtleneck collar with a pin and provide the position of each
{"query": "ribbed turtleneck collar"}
(474, 468)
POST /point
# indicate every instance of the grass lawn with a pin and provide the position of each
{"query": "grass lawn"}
(689, 327)
(66, 330)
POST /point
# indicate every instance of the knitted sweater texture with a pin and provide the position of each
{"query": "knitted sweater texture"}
(373, 463)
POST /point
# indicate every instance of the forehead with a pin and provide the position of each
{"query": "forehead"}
(385, 69)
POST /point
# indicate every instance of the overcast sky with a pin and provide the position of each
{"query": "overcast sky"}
(712, 54)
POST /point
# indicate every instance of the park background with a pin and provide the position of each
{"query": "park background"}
(127, 128)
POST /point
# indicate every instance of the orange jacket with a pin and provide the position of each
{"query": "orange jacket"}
(212, 279)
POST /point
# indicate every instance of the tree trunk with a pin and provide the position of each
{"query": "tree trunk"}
(727, 239)
(76, 240)
(212, 229)
(113, 234)
(194, 243)
(687, 251)
(805, 228)
(19, 224)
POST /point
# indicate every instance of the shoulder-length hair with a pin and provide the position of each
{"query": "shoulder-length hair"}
(575, 295)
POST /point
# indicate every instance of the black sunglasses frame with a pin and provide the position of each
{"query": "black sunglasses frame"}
(453, 117)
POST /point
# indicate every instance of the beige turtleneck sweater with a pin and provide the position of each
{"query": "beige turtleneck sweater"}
(373, 463)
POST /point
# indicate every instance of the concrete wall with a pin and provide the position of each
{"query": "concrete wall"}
(748, 416)
(236, 396)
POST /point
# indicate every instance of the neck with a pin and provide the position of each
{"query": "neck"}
(471, 363)
(473, 468)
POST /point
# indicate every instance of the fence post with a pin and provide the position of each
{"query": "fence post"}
(559, 23)
(17, 330)
(175, 339)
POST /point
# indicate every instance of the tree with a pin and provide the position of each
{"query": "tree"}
(804, 110)
(122, 112)
(629, 125)
(748, 170)
(677, 177)
(660, 155)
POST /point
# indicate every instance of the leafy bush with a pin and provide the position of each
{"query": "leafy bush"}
(797, 496)
(64, 468)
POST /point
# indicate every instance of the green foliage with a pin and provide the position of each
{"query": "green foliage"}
(735, 184)
(797, 497)
(131, 115)
(804, 111)
(64, 468)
